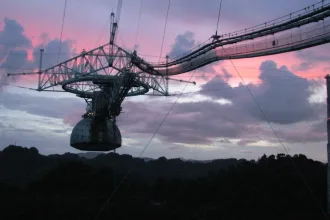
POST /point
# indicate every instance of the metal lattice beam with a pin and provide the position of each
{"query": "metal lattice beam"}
(106, 60)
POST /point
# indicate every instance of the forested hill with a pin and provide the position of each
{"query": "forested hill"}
(20, 165)
(35, 186)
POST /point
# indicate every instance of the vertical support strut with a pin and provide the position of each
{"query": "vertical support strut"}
(40, 70)
(328, 144)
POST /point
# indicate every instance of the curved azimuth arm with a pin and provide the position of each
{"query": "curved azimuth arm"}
(303, 17)
(256, 41)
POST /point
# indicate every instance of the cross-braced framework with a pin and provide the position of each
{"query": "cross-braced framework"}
(107, 60)
(91, 70)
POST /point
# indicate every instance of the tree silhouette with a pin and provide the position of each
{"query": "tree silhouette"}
(34, 186)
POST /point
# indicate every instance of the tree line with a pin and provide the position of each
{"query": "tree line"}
(68, 186)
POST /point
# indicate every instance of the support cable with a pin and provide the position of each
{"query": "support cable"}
(29, 88)
(278, 138)
(161, 48)
(104, 29)
(97, 43)
(138, 24)
(143, 150)
(241, 86)
(63, 21)
(216, 32)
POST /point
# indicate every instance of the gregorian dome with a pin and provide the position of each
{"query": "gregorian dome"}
(95, 135)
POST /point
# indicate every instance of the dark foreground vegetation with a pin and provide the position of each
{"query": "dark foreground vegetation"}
(34, 186)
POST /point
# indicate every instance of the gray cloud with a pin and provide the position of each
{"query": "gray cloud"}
(200, 122)
(185, 121)
(3, 53)
(14, 56)
(285, 104)
(15, 59)
(218, 87)
(320, 127)
(46, 144)
(283, 96)
(69, 109)
(13, 45)
(182, 44)
(12, 36)
(193, 123)
(311, 57)
(52, 55)
(302, 136)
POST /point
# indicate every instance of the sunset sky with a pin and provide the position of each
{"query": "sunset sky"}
(221, 120)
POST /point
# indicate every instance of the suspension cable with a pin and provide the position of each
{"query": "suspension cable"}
(278, 138)
(161, 48)
(63, 20)
(216, 31)
(17, 86)
(138, 24)
(143, 150)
